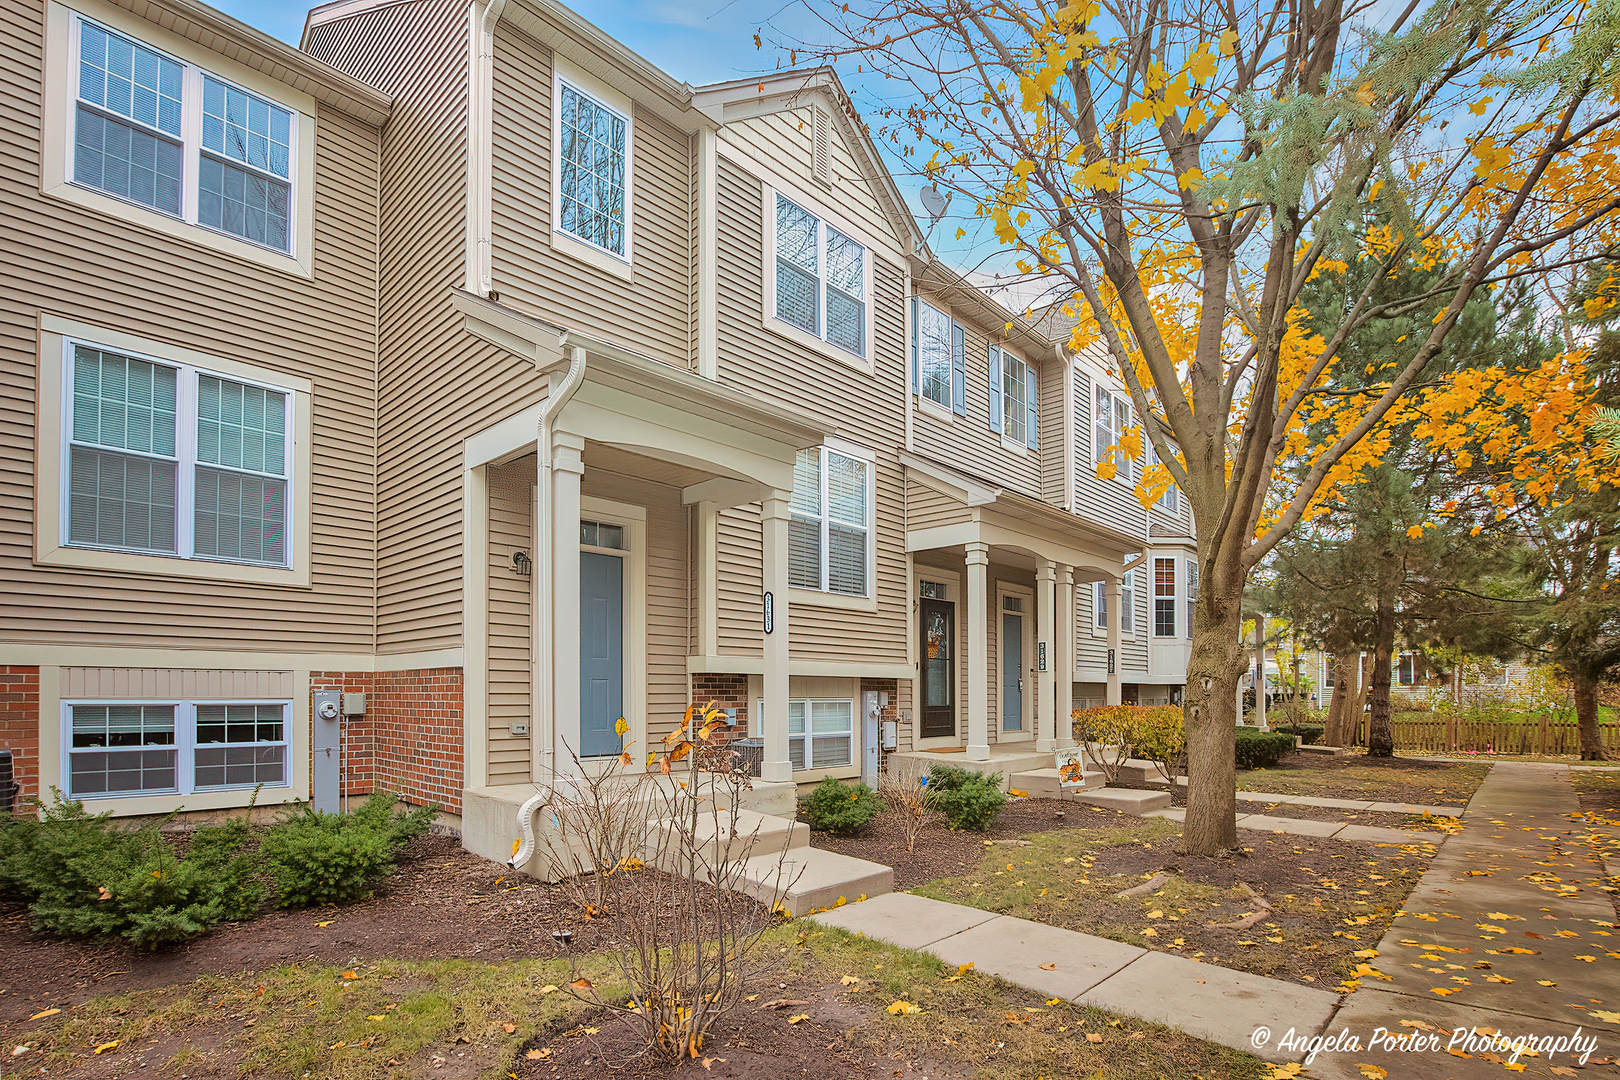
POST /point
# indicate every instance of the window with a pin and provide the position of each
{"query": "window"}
(1169, 501)
(820, 278)
(1127, 603)
(1408, 668)
(938, 357)
(829, 533)
(593, 171)
(1328, 672)
(169, 136)
(180, 747)
(1192, 593)
(168, 459)
(1112, 419)
(831, 733)
(1014, 395)
(932, 590)
(1164, 598)
(600, 534)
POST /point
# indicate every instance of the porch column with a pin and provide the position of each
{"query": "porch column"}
(774, 515)
(1046, 714)
(978, 650)
(1065, 656)
(567, 468)
(1115, 613)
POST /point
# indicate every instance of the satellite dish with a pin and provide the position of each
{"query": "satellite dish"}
(934, 202)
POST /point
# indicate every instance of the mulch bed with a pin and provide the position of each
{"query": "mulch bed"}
(943, 852)
(1367, 779)
(1598, 791)
(443, 902)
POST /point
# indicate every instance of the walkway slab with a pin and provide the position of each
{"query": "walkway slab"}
(1415, 808)
(1296, 826)
(806, 878)
(1302, 800)
(1213, 1003)
(1129, 800)
(903, 919)
(1016, 949)
(1375, 834)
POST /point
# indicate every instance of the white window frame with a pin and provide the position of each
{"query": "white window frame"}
(602, 97)
(1010, 370)
(185, 746)
(1191, 573)
(770, 190)
(823, 596)
(190, 139)
(1169, 501)
(954, 372)
(186, 463)
(806, 738)
(823, 228)
(1127, 606)
(1170, 597)
(1121, 415)
(52, 462)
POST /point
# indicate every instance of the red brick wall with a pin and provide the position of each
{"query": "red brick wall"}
(725, 692)
(410, 740)
(19, 726)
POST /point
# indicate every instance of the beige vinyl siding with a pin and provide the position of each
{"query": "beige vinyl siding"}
(867, 410)
(927, 508)
(1091, 646)
(510, 630)
(78, 264)
(967, 441)
(783, 141)
(136, 684)
(1109, 502)
(652, 313)
(437, 384)
(667, 567)
(1053, 419)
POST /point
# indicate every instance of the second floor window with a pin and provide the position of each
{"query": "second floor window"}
(828, 536)
(1014, 393)
(1127, 603)
(593, 177)
(168, 459)
(938, 358)
(171, 137)
(820, 278)
(1164, 598)
(1169, 501)
(1192, 593)
(1112, 419)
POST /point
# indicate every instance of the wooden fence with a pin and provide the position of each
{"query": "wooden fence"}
(1450, 733)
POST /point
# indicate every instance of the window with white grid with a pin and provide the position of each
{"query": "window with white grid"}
(156, 131)
(821, 732)
(1127, 603)
(593, 171)
(830, 528)
(821, 278)
(170, 459)
(173, 747)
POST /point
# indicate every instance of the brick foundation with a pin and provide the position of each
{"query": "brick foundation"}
(19, 727)
(726, 692)
(410, 740)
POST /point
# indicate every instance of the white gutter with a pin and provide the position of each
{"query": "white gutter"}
(481, 22)
(544, 730)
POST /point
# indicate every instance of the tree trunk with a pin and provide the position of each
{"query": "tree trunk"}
(1586, 716)
(1345, 669)
(1380, 738)
(1210, 709)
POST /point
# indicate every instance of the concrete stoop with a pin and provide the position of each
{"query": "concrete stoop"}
(1005, 762)
(1137, 801)
(1045, 784)
(754, 835)
(807, 879)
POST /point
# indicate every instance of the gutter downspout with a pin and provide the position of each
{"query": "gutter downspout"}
(480, 126)
(543, 734)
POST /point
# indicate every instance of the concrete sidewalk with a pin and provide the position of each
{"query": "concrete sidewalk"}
(1325, 830)
(1211, 1002)
(1350, 804)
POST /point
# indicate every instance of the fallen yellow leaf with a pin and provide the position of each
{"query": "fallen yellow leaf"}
(1093, 1037)
(1372, 1072)
(539, 1054)
(108, 1046)
(896, 1008)
(801, 1018)
(42, 1015)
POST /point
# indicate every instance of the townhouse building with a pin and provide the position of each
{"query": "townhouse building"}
(403, 410)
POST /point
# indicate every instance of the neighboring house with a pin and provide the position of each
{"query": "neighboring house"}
(496, 319)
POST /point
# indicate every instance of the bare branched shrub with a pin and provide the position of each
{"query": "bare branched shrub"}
(687, 936)
(907, 796)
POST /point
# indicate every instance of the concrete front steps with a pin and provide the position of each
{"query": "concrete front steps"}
(1045, 784)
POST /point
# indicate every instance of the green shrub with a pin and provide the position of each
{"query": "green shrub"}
(1258, 749)
(840, 809)
(968, 800)
(318, 858)
(1308, 733)
(84, 876)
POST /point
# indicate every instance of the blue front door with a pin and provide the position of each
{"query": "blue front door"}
(601, 653)
(1012, 672)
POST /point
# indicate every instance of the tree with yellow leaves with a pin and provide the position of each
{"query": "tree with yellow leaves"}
(1177, 171)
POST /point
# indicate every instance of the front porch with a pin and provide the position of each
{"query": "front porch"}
(583, 572)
